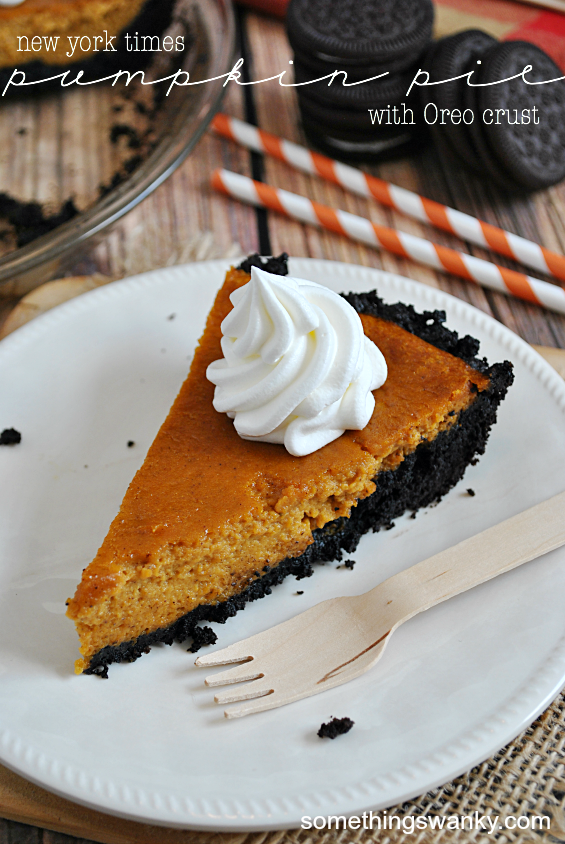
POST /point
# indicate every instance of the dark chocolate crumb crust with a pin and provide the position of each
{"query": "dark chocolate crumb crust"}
(276, 265)
(423, 478)
(336, 727)
(202, 636)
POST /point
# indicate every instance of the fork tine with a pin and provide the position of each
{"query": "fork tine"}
(237, 674)
(257, 688)
(238, 652)
(260, 704)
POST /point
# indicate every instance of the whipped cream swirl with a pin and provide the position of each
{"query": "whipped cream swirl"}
(297, 367)
(11, 2)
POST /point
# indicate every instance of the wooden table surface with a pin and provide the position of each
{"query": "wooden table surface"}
(185, 220)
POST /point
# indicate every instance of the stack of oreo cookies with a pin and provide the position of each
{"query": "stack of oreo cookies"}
(363, 38)
(511, 132)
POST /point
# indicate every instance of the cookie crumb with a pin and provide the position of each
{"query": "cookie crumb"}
(335, 727)
(10, 436)
(413, 515)
(202, 636)
(122, 130)
(131, 443)
(299, 593)
(349, 564)
(471, 492)
(171, 316)
(100, 671)
(28, 219)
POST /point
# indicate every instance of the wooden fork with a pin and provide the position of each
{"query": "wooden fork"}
(337, 640)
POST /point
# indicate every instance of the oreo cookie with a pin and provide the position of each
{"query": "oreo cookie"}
(515, 127)
(320, 67)
(523, 122)
(359, 32)
(380, 93)
(489, 165)
(369, 147)
(352, 122)
(351, 117)
(452, 57)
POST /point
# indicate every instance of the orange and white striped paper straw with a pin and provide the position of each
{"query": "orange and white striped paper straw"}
(412, 204)
(381, 237)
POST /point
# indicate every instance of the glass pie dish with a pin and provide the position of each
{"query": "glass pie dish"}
(34, 130)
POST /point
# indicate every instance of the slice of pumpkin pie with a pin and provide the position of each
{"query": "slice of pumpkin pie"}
(217, 516)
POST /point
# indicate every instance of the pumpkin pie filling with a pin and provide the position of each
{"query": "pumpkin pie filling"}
(45, 38)
(211, 520)
(29, 30)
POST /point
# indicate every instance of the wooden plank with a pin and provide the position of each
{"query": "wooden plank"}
(27, 803)
(556, 357)
(180, 212)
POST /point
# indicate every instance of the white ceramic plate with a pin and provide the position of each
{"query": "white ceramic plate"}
(455, 684)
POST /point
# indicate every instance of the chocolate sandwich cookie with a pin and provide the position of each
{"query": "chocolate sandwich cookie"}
(491, 167)
(358, 33)
(382, 92)
(369, 147)
(321, 67)
(452, 57)
(424, 95)
(522, 123)
(351, 121)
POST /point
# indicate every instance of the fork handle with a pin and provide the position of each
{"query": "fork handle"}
(494, 551)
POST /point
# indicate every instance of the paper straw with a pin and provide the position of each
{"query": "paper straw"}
(381, 237)
(412, 204)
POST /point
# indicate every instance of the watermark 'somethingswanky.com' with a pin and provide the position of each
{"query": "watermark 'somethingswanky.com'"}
(410, 824)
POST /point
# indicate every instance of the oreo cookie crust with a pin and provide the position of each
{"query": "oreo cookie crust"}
(359, 31)
(531, 153)
(421, 479)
